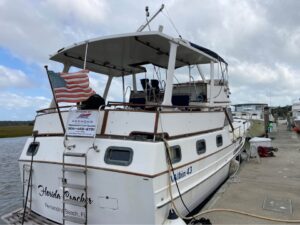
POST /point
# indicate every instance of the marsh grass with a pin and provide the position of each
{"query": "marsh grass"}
(15, 131)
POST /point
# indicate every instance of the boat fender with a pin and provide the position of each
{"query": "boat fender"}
(234, 165)
(173, 219)
(244, 156)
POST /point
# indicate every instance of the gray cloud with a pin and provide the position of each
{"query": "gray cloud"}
(34, 29)
(259, 38)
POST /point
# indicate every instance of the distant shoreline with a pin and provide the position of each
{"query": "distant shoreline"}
(7, 131)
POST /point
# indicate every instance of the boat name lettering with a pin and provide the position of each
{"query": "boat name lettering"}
(44, 191)
(182, 173)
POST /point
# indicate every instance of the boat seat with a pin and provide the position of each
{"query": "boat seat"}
(180, 100)
(93, 102)
(155, 86)
(145, 84)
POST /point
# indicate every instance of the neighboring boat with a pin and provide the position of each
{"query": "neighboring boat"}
(253, 112)
(166, 134)
(250, 110)
(296, 114)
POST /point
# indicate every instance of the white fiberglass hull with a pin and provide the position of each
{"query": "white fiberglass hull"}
(118, 197)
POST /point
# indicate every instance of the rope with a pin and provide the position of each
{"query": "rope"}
(170, 185)
(248, 214)
(172, 23)
(217, 209)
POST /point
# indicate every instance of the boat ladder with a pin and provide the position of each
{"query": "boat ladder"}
(68, 170)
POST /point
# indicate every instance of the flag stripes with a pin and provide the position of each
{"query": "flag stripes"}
(71, 87)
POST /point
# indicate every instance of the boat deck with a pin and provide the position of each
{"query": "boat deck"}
(269, 188)
(32, 218)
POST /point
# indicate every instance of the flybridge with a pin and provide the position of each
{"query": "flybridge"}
(132, 53)
(129, 54)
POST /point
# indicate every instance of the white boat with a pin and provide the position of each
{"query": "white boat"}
(250, 110)
(120, 174)
(253, 112)
(296, 114)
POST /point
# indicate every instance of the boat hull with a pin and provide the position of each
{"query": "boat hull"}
(116, 196)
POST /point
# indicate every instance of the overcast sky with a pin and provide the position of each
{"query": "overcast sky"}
(260, 39)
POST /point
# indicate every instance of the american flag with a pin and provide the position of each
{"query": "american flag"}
(71, 87)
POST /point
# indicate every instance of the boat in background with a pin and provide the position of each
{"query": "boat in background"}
(168, 145)
(296, 114)
(255, 113)
(250, 110)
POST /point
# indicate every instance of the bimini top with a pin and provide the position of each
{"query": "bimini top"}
(127, 53)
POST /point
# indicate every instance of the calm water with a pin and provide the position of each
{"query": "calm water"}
(10, 181)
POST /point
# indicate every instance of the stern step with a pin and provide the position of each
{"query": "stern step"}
(75, 219)
(74, 154)
(76, 203)
(75, 170)
(74, 186)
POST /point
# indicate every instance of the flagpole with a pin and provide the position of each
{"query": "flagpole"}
(56, 104)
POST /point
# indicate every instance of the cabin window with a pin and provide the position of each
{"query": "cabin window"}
(175, 153)
(33, 148)
(121, 156)
(219, 140)
(201, 146)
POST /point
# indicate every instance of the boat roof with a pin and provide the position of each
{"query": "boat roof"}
(126, 54)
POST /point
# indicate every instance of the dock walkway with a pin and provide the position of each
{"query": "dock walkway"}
(270, 188)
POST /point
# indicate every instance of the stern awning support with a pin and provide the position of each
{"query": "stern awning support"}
(105, 93)
(170, 74)
(212, 83)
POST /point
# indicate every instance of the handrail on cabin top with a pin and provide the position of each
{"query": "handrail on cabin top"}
(114, 104)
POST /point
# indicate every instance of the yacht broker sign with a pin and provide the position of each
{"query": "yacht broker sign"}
(82, 123)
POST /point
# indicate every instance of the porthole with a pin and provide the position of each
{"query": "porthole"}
(121, 156)
(175, 153)
(201, 146)
(219, 140)
(33, 148)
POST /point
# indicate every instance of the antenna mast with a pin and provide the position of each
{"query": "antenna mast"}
(147, 15)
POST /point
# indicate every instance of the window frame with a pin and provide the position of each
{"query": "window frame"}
(197, 144)
(221, 143)
(110, 161)
(175, 160)
(33, 152)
